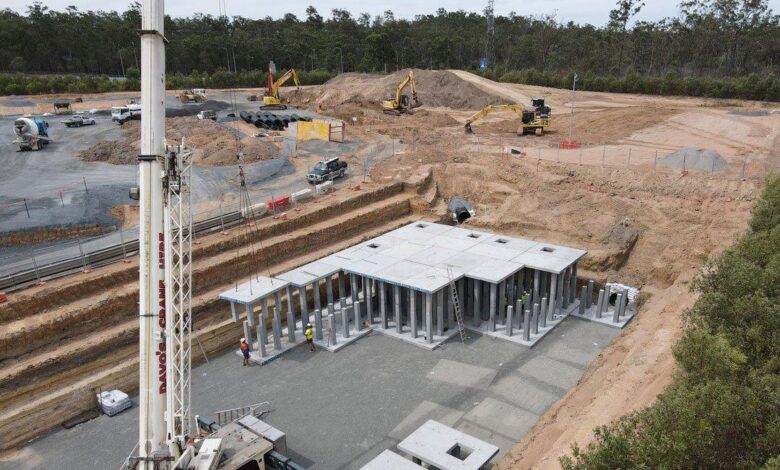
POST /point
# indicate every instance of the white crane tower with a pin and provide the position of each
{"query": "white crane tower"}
(165, 269)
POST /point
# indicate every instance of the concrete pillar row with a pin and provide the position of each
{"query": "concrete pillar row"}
(383, 305)
(599, 304)
(589, 295)
(250, 314)
(440, 312)
(304, 306)
(553, 303)
(397, 308)
(429, 318)
(263, 317)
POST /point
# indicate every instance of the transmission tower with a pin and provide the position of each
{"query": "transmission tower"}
(489, 55)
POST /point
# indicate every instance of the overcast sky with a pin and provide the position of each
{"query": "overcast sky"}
(594, 12)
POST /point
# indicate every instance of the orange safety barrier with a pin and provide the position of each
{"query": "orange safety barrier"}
(280, 201)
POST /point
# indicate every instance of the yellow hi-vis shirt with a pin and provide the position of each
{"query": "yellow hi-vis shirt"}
(309, 333)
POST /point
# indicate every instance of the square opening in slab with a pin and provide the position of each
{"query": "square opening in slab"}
(547, 249)
(421, 225)
(473, 235)
(459, 451)
(373, 245)
(503, 241)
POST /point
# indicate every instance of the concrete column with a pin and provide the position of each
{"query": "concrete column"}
(583, 296)
(383, 305)
(493, 301)
(355, 305)
(509, 320)
(520, 287)
(345, 314)
(304, 306)
(413, 313)
(624, 303)
(607, 294)
(329, 288)
(510, 290)
(573, 285)
(535, 320)
(369, 296)
(501, 302)
(599, 304)
(317, 301)
(342, 291)
(552, 298)
(537, 279)
(461, 298)
(589, 296)
(250, 314)
(468, 297)
(485, 301)
(519, 309)
(429, 318)
(397, 307)
(476, 302)
(263, 317)
(248, 333)
(559, 300)
(331, 330)
(565, 289)
(616, 313)
(451, 323)
(290, 316)
(542, 314)
(440, 312)
(527, 325)
(277, 329)
(261, 346)
(317, 324)
(233, 311)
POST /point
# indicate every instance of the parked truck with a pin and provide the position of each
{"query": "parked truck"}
(78, 120)
(122, 114)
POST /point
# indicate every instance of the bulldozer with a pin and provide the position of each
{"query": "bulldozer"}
(399, 104)
(271, 99)
(191, 96)
(531, 121)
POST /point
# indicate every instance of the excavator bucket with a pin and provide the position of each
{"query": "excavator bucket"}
(467, 128)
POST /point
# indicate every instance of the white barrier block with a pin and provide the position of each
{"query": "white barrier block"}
(324, 187)
(301, 195)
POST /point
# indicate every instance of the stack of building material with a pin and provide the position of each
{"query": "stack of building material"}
(113, 401)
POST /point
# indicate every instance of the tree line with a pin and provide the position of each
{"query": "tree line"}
(716, 41)
(722, 410)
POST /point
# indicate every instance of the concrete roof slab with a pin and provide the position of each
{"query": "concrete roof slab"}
(433, 441)
(563, 252)
(371, 266)
(405, 250)
(309, 273)
(254, 290)
(467, 234)
(431, 280)
(491, 250)
(513, 243)
(542, 262)
(457, 244)
(493, 270)
(433, 255)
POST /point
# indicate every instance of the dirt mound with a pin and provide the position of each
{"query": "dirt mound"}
(693, 158)
(434, 88)
(212, 144)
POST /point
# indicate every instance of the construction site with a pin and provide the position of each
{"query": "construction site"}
(488, 270)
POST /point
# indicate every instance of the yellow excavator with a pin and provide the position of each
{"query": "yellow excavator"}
(398, 104)
(271, 98)
(531, 121)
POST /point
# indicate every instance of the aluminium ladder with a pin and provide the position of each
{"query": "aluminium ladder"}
(456, 306)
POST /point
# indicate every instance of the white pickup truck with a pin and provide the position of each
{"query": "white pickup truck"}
(78, 120)
(121, 114)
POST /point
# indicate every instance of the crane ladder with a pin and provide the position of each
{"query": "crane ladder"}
(456, 306)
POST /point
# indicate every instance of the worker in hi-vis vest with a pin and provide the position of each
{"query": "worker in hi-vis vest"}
(244, 350)
(309, 333)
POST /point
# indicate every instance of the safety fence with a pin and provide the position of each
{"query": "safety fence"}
(30, 266)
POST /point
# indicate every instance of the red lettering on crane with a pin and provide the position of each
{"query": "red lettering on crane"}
(162, 367)
(161, 251)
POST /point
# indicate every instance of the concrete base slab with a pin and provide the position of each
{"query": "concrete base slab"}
(462, 374)
(425, 411)
(406, 336)
(341, 341)
(272, 353)
(606, 317)
(389, 460)
(495, 414)
(517, 334)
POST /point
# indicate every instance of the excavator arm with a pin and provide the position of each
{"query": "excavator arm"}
(515, 108)
(282, 80)
(399, 103)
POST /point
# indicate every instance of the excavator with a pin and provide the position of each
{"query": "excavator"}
(271, 98)
(400, 103)
(191, 96)
(532, 121)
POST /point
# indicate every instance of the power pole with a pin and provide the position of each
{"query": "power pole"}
(490, 34)
(573, 97)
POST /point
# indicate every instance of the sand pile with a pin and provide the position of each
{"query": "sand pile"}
(695, 159)
(212, 144)
(434, 88)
